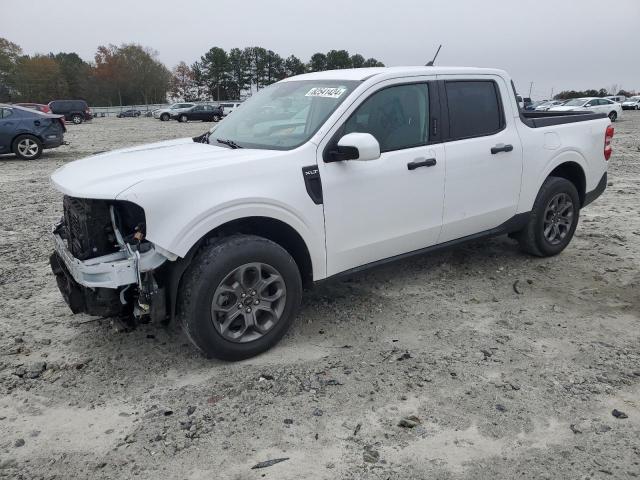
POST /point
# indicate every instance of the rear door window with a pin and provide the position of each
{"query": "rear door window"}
(474, 108)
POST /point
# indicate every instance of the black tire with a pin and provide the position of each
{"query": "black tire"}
(27, 147)
(216, 118)
(77, 119)
(164, 117)
(613, 116)
(209, 268)
(532, 238)
(182, 119)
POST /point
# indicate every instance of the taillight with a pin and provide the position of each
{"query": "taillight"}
(608, 135)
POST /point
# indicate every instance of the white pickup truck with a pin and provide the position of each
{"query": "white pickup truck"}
(318, 175)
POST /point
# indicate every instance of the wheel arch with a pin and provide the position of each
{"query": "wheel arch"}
(270, 228)
(31, 134)
(275, 230)
(573, 172)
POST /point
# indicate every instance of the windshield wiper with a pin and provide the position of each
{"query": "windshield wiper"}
(229, 143)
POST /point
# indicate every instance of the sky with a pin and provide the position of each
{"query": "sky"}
(556, 44)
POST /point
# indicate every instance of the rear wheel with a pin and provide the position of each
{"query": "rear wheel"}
(182, 118)
(27, 147)
(553, 220)
(613, 116)
(77, 118)
(239, 297)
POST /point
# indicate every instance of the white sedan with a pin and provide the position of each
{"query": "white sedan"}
(544, 106)
(632, 103)
(593, 104)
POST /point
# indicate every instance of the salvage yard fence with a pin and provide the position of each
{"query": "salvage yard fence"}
(116, 109)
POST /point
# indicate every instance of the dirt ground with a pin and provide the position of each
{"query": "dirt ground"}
(501, 365)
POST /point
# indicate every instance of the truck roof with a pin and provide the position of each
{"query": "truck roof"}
(360, 74)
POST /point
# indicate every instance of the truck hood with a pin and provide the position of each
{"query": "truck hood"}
(106, 175)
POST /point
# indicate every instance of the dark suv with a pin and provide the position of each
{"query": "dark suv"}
(76, 111)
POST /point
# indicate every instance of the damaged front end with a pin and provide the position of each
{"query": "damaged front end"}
(103, 264)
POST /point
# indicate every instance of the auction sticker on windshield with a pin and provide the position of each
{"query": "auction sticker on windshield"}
(326, 92)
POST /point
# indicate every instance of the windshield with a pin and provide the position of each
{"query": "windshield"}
(576, 102)
(283, 116)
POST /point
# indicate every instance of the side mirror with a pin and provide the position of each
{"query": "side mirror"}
(356, 146)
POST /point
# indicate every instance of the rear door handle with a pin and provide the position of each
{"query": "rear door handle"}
(421, 162)
(501, 148)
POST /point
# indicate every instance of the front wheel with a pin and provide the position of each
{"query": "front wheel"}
(239, 296)
(164, 117)
(216, 118)
(613, 116)
(77, 119)
(553, 219)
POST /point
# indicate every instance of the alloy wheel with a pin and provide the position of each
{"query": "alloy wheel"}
(28, 148)
(249, 302)
(558, 218)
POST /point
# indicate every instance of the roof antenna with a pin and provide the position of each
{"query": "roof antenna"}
(430, 64)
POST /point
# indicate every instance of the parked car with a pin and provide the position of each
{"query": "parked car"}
(533, 105)
(35, 106)
(616, 98)
(165, 114)
(543, 107)
(76, 111)
(222, 231)
(26, 132)
(229, 107)
(205, 113)
(632, 103)
(129, 113)
(593, 104)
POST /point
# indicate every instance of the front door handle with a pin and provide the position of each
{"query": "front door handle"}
(501, 148)
(421, 162)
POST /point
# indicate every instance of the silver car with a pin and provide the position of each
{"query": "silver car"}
(165, 114)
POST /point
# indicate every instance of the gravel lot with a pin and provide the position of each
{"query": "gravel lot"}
(479, 363)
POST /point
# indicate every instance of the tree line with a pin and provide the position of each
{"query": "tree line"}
(118, 75)
(221, 75)
(131, 74)
(603, 92)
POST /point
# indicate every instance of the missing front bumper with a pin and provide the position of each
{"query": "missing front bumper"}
(100, 286)
(101, 302)
(108, 271)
